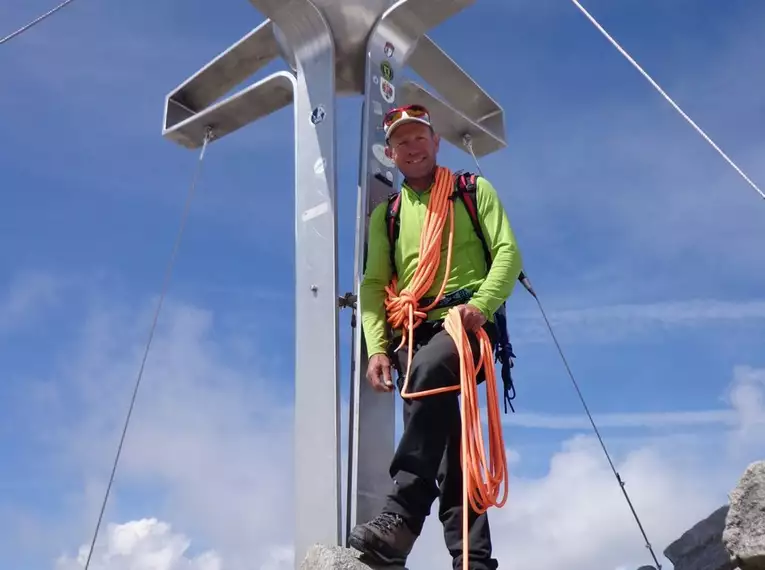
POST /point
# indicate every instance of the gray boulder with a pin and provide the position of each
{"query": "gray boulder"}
(337, 558)
(701, 547)
(744, 535)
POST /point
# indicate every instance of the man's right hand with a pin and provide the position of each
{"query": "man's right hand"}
(379, 373)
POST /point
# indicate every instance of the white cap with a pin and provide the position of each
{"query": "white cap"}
(407, 118)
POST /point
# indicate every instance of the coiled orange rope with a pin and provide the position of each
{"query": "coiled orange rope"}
(483, 477)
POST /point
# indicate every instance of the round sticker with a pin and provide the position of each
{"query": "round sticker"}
(387, 90)
(379, 151)
(389, 49)
(386, 70)
(389, 176)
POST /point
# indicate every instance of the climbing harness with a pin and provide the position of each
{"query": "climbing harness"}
(467, 141)
(465, 188)
(483, 477)
(168, 272)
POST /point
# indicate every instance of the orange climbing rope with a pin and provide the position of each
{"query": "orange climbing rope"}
(483, 477)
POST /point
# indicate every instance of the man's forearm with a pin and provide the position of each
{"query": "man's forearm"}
(507, 262)
(377, 276)
(500, 281)
(372, 299)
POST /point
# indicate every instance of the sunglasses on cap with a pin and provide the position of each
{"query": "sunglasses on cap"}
(406, 112)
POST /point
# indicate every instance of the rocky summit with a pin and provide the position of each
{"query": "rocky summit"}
(744, 534)
(338, 558)
(732, 537)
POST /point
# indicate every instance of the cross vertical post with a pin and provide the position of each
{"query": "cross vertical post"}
(317, 388)
(372, 415)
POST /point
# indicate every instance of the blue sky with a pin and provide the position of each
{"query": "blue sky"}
(644, 245)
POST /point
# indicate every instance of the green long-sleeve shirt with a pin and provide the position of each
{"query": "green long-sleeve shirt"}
(468, 269)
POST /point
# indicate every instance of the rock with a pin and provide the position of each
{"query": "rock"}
(744, 535)
(337, 558)
(701, 547)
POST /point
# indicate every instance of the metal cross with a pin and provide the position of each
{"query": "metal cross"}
(347, 48)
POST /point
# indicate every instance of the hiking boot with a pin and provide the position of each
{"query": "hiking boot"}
(386, 539)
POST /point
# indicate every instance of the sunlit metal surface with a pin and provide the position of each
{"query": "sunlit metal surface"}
(263, 98)
(332, 48)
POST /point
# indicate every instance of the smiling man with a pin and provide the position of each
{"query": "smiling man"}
(485, 265)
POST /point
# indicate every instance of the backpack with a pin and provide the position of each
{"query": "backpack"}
(465, 188)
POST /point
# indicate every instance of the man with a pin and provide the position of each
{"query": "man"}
(426, 463)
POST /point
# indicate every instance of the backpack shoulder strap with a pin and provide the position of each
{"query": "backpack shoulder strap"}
(466, 187)
(393, 224)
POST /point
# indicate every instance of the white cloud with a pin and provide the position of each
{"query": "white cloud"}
(612, 323)
(575, 516)
(209, 445)
(145, 544)
(638, 419)
(209, 451)
(669, 313)
(747, 397)
(25, 297)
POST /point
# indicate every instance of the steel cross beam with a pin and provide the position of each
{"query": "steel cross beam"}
(332, 48)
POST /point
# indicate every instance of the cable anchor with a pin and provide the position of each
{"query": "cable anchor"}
(347, 301)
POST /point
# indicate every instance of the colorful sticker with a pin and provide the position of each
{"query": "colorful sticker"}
(386, 70)
(318, 115)
(387, 90)
(389, 49)
(379, 151)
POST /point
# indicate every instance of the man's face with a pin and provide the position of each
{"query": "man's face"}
(413, 147)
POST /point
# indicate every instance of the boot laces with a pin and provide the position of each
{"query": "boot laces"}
(387, 522)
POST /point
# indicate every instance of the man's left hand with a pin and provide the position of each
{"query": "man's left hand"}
(472, 317)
